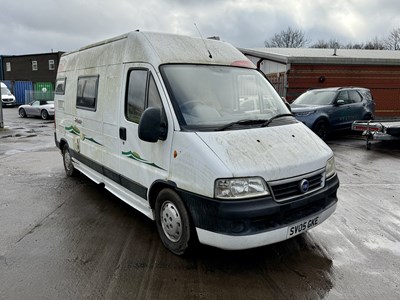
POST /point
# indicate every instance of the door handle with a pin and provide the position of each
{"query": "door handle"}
(122, 133)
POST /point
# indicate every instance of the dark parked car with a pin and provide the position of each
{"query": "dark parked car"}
(331, 109)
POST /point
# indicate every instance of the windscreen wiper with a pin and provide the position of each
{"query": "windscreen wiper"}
(241, 122)
(266, 123)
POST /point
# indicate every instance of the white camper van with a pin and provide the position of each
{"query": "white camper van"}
(7, 98)
(189, 133)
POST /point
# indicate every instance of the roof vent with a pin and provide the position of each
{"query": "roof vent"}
(335, 49)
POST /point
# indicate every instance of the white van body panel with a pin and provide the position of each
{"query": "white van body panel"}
(196, 166)
(273, 153)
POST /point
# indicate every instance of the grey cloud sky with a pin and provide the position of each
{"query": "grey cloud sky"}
(28, 26)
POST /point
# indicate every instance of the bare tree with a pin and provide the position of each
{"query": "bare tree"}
(331, 44)
(393, 41)
(375, 44)
(289, 38)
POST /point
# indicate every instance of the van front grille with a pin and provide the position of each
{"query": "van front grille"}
(288, 189)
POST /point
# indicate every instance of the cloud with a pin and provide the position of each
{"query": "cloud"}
(39, 26)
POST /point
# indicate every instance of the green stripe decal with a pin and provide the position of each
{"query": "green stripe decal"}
(136, 156)
(75, 130)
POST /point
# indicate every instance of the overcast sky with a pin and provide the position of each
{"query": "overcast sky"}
(40, 26)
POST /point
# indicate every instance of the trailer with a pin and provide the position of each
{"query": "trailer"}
(381, 130)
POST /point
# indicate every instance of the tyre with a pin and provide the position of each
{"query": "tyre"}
(321, 128)
(67, 160)
(22, 113)
(173, 222)
(44, 114)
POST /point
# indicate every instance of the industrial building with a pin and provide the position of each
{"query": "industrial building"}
(28, 74)
(295, 70)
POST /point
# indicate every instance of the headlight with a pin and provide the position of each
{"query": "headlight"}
(239, 188)
(330, 167)
(304, 113)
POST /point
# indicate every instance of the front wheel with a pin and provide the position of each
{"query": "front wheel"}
(22, 113)
(67, 159)
(44, 114)
(173, 222)
(321, 128)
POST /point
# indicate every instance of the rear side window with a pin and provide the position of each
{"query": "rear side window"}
(355, 97)
(60, 86)
(366, 94)
(141, 93)
(86, 97)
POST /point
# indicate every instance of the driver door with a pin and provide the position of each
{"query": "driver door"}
(142, 163)
(33, 108)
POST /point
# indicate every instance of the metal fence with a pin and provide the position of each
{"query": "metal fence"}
(38, 95)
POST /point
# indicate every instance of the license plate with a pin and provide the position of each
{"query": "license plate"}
(302, 226)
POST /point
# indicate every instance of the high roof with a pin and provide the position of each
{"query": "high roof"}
(326, 56)
(154, 48)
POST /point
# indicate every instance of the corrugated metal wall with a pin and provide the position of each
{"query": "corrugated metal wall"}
(21, 91)
(383, 81)
(43, 91)
(43, 86)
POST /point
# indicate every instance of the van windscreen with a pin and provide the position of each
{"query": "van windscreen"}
(206, 97)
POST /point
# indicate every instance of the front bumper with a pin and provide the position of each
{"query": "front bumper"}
(9, 102)
(247, 224)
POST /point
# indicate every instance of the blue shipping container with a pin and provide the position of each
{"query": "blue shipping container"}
(22, 91)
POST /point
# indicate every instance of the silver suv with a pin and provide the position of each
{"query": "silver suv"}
(331, 109)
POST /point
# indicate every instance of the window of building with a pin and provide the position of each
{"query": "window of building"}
(34, 65)
(8, 67)
(86, 97)
(51, 64)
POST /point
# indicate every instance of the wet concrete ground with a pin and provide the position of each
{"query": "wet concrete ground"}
(67, 238)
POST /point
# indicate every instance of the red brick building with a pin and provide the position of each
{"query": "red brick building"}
(295, 70)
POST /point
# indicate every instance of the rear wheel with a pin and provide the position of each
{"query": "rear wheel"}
(321, 128)
(44, 114)
(368, 117)
(22, 113)
(173, 222)
(67, 159)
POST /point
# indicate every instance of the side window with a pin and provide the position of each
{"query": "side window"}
(154, 99)
(344, 95)
(60, 86)
(136, 95)
(141, 93)
(86, 97)
(366, 94)
(355, 97)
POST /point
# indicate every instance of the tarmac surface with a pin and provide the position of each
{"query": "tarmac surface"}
(68, 238)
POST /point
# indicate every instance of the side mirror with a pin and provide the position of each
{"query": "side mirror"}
(340, 102)
(150, 125)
